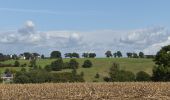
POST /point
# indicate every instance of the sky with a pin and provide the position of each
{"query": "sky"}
(84, 26)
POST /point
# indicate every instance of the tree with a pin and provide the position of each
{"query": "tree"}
(85, 55)
(117, 75)
(135, 55)
(35, 55)
(119, 54)
(27, 55)
(76, 55)
(126, 76)
(108, 54)
(22, 79)
(161, 72)
(73, 64)
(87, 64)
(92, 55)
(142, 76)
(68, 55)
(55, 54)
(115, 54)
(48, 68)
(141, 54)
(16, 64)
(15, 57)
(42, 56)
(129, 55)
(163, 56)
(33, 64)
(114, 71)
(57, 65)
(1, 57)
(97, 75)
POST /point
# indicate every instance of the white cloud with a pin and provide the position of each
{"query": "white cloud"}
(27, 38)
(149, 40)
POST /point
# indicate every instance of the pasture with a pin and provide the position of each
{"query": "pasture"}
(100, 65)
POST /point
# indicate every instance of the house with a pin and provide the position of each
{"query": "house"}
(21, 56)
(7, 78)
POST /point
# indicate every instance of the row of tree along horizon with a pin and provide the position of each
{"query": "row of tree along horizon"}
(58, 54)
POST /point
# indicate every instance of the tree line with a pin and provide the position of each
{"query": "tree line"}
(58, 54)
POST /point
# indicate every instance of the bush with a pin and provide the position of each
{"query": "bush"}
(16, 64)
(23, 65)
(142, 76)
(87, 64)
(125, 76)
(97, 75)
(73, 64)
(22, 79)
(57, 65)
(117, 75)
(66, 65)
(48, 68)
(161, 73)
(82, 74)
(107, 79)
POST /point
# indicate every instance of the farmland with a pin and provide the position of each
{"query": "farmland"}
(86, 91)
(100, 65)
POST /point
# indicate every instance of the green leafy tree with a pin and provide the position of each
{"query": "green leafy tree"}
(55, 54)
(135, 55)
(129, 55)
(92, 55)
(143, 76)
(108, 54)
(73, 64)
(87, 64)
(27, 55)
(48, 68)
(22, 79)
(119, 54)
(115, 54)
(76, 55)
(85, 55)
(117, 75)
(97, 75)
(161, 72)
(42, 57)
(57, 65)
(141, 54)
(68, 55)
(16, 64)
(114, 71)
(33, 64)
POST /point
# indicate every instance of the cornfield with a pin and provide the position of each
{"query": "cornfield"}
(86, 91)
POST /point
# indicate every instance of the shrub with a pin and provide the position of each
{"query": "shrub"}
(117, 75)
(48, 68)
(16, 64)
(142, 76)
(73, 64)
(97, 75)
(23, 65)
(87, 64)
(82, 74)
(125, 76)
(57, 65)
(107, 79)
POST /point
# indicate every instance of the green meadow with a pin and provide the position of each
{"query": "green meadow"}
(100, 65)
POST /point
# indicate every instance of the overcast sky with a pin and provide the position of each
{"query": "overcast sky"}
(84, 26)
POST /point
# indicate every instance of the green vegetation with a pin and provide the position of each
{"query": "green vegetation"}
(100, 66)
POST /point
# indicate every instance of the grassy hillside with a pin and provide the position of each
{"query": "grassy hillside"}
(100, 65)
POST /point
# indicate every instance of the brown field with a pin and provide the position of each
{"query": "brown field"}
(86, 91)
